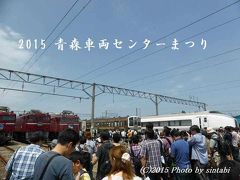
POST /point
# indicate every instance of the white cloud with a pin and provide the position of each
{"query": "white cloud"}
(11, 56)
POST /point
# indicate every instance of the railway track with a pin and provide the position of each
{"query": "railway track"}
(6, 153)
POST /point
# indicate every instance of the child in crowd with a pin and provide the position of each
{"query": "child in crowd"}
(81, 163)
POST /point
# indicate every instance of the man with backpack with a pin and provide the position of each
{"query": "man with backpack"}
(53, 164)
(102, 157)
(167, 141)
(214, 145)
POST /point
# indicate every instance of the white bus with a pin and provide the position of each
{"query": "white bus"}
(183, 121)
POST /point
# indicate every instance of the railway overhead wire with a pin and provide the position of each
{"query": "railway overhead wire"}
(90, 89)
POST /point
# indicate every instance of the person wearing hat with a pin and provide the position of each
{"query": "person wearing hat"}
(214, 156)
(221, 131)
(52, 144)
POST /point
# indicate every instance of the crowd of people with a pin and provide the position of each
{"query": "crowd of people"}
(204, 154)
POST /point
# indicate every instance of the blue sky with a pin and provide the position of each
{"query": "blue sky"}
(213, 81)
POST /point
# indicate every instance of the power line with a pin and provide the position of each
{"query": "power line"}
(208, 85)
(52, 31)
(177, 67)
(37, 59)
(224, 104)
(179, 29)
(97, 89)
(193, 70)
(154, 52)
(220, 89)
(43, 93)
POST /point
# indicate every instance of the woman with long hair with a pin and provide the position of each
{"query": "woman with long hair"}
(121, 165)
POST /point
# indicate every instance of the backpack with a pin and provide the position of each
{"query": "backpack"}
(169, 161)
(106, 166)
(222, 146)
(136, 162)
(84, 148)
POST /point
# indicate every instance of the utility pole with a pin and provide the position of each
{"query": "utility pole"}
(93, 106)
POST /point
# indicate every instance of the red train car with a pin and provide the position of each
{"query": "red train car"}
(30, 122)
(64, 120)
(7, 124)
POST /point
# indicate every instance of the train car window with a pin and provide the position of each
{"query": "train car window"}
(7, 118)
(135, 121)
(186, 122)
(32, 118)
(45, 118)
(205, 119)
(63, 119)
(139, 122)
(174, 123)
(164, 123)
(130, 121)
